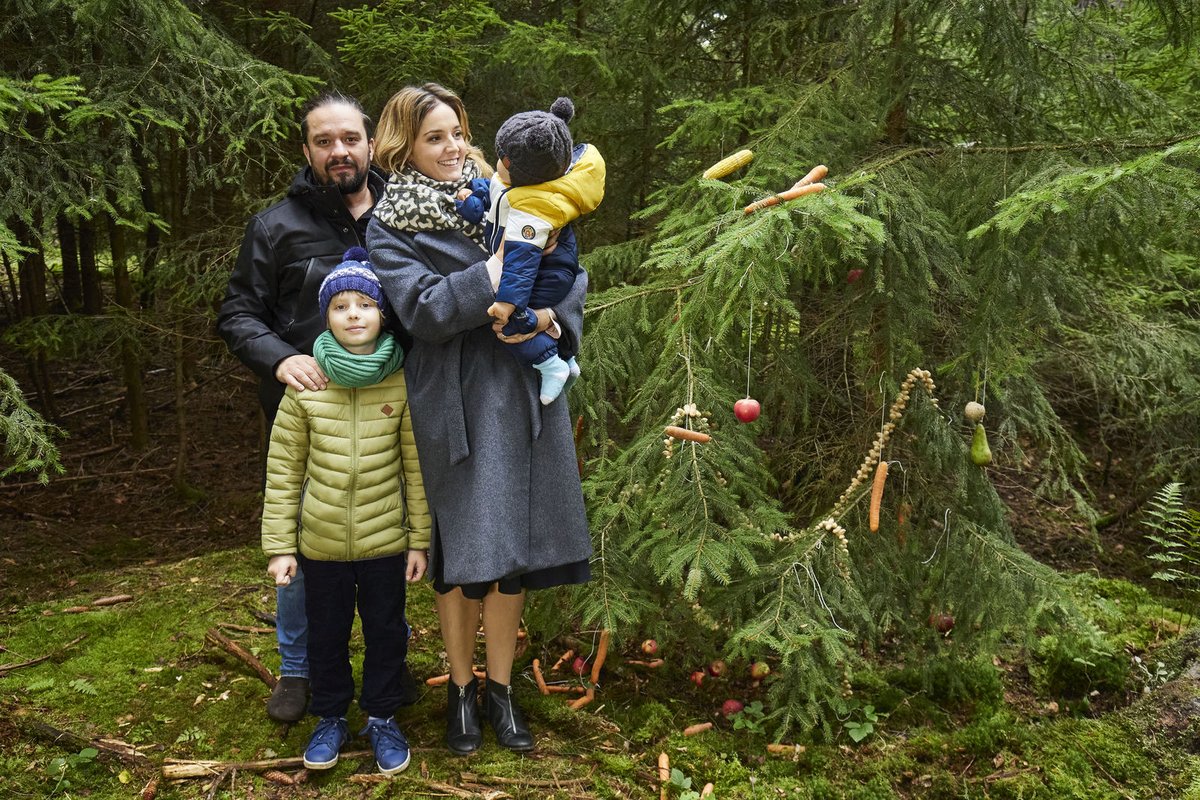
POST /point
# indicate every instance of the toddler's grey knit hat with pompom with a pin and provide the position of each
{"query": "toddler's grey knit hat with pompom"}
(537, 144)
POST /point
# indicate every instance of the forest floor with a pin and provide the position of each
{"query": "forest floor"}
(142, 675)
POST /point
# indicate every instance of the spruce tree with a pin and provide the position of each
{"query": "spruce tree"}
(998, 180)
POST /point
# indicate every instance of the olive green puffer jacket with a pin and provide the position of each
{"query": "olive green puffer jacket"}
(343, 480)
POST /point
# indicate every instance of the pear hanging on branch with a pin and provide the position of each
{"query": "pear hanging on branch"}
(981, 454)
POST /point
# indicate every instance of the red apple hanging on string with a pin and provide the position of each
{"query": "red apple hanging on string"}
(747, 409)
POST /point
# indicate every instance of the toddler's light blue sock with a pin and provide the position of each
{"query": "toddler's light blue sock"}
(575, 373)
(554, 377)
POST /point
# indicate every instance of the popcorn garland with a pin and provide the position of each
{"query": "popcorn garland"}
(830, 524)
(686, 413)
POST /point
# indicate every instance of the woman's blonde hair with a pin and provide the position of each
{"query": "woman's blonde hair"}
(401, 119)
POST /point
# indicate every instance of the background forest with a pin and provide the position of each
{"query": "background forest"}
(1010, 211)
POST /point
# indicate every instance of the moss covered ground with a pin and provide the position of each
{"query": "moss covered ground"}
(1047, 723)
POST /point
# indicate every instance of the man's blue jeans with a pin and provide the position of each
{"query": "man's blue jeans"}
(291, 628)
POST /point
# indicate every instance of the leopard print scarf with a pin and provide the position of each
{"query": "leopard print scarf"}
(413, 202)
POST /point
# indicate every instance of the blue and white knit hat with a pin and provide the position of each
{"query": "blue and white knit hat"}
(354, 274)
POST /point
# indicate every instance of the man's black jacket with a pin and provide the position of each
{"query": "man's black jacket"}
(270, 309)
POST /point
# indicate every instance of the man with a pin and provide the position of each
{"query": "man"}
(270, 319)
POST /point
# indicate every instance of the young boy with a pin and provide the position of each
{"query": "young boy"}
(542, 183)
(344, 497)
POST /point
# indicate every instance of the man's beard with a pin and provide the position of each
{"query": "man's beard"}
(347, 183)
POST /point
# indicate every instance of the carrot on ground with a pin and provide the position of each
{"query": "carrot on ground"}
(664, 774)
(601, 653)
(563, 659)
(583, 701)
(676, 432)
(699, 727)
(538, 679)
(438, 680)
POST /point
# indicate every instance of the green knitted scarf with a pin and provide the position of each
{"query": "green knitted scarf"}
(353, 370)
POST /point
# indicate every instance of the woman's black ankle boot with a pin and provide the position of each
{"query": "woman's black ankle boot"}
(463, 735)
(507, 720)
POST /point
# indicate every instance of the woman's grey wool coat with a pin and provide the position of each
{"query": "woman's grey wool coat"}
(500, 469)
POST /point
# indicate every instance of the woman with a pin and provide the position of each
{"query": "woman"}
(500, 471)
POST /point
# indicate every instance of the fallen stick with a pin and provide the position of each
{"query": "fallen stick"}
(222, 641)
(122, 751)
(229, 626)
(179, 769)
(699, 727)
(7, 668)
(445, 788)
(785, 749)
(471, 777)
(113, 600)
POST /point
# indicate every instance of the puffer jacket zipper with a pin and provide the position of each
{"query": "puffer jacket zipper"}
(353, 476)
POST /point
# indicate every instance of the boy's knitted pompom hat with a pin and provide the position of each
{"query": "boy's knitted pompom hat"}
(537, 144)
(354, 274)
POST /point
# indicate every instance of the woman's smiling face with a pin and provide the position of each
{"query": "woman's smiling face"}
(440, 148)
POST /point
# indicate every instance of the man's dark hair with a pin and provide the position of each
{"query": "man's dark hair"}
(328, 98)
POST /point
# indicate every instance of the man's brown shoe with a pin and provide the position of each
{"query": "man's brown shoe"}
(288, 700)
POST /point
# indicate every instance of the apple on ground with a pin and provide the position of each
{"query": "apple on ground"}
(580, 665)
(716, 668)
(760, 670)
(731, 707)
(697, 677)
(649, 647)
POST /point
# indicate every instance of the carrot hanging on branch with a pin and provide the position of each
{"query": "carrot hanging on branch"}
(881, 472)
(809, 184)
(686, 434)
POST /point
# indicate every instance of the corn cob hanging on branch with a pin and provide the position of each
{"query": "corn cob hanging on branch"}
(728, 165)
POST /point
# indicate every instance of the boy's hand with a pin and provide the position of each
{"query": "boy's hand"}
(500, 312)
(282, 569)
(418, 560)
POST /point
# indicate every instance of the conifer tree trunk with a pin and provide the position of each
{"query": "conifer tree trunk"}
(89, 274)
(897, 116)
(181, 426)
(10, 297)
(150, 253)
(131, 367)
(31, 277)
(72, 285)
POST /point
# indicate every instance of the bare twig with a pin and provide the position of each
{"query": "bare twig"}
(222, 641)
(7, 668)
(177, 769)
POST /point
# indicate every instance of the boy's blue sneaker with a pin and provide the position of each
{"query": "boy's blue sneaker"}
(391, 748)
(554, 377)
(326, 742)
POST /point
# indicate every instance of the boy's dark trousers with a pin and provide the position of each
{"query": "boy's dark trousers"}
(332, 589)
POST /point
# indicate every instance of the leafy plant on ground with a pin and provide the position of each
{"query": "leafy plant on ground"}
(1175, 532)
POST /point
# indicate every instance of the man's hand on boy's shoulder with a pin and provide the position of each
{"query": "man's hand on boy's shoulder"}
(301, 372)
